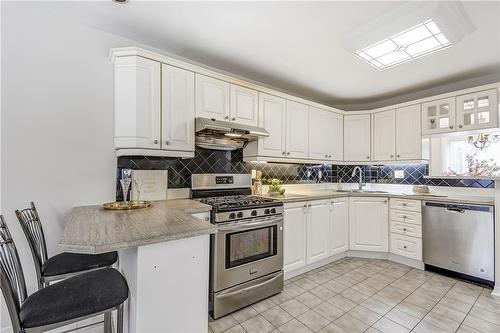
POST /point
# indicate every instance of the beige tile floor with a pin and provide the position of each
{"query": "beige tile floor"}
(367, 295)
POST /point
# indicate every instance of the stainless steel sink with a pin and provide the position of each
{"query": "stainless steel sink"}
(362, 191)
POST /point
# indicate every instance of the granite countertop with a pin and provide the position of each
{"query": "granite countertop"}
(327, 194)
(93, 230)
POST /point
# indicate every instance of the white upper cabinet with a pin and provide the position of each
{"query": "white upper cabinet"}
(294, 235)
(438, 116)
(297, 130)
(177, 109)
(325, 135)
(368, 224)
(384, 135)
(137, 103)
(244, 104)
(408, 133)
(339, 225)
(357, 138)
(318, 227)
(477, 110)
(272, 116)
(212, 98)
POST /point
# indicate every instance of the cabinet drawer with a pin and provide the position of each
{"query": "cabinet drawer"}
(406, 216)
(405, 204)
(406, 229)
(406, 246)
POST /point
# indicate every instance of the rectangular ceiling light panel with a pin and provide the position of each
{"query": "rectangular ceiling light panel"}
(410, 44)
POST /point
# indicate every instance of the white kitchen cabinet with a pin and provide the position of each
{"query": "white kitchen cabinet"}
(384, 135)
(318, 227)
(477, 110)
(357, 138)
(212, 98)
(137, 103)
(408, 133)
(244, 105)
(438, 116)
(294, 235)
(272, 116)
(297, 130)
(177, 114)
(339, 225)
(326, 135)
(368, 224)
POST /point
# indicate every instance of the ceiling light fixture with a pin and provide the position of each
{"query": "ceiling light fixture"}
(483, 140)
(418, 41)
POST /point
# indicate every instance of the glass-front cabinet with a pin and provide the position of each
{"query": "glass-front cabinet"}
(477, 110)
(438, 116)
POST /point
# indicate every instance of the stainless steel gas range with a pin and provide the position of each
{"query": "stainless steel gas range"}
(246, 263)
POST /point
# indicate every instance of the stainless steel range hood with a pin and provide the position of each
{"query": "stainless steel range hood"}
(225, 135)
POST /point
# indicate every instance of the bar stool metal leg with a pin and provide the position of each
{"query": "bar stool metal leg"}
(108, 328)
(119, 319)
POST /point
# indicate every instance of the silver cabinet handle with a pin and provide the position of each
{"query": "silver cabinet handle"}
(156, 142)
(459, 126)
(404, 216)
(226, 117)
(367, 157)
(329, 156)
(326, 156)
(405, 247)
(288, 153)
(283, 153)
(404, 229)
(451, 126)
(233, 119)
(392, 156)
(207, 218)
(398, 156)
(167, 142)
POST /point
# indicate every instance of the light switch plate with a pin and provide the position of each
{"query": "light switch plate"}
(398, 174)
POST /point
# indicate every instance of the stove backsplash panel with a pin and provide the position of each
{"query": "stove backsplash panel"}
(214, 161)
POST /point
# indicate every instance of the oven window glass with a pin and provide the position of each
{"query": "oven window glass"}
(250, 245)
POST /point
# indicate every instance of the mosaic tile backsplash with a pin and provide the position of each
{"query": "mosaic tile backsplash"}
(214, 161)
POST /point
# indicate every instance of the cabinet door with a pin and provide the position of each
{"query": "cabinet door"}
(244, 105)
(318, 227)
(177, 109)
(137, 103)
(438, 116)
(384, 135)
(319, 129)
(212, 98)
(357, 137)
(368, 224)
(294, 235)
(272, 117)
(477, 110)
(297, 130)
(335, 136)
(408, 133)
(339, 225)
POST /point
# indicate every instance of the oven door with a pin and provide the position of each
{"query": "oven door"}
(247, 250)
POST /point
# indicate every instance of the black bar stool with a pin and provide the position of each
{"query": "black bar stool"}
(73, 299)
(62, 265)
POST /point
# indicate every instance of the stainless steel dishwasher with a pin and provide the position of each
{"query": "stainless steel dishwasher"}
(459, 239)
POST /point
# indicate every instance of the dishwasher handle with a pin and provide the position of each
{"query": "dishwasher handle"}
(458, 208)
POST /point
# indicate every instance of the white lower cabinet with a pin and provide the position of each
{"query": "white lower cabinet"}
(368, 224)
(294, 236)
(318, 230)
(339, 225)
(406, 228)
(406, 246)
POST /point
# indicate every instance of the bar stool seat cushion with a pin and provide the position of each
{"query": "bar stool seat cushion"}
(79, 296)
(65, 263)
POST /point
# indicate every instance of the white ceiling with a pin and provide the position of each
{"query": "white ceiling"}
(294, 46)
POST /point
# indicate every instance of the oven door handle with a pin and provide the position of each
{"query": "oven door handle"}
(245, 290)
(246, 226)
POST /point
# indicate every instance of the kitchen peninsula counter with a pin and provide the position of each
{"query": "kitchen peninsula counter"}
(93, 230)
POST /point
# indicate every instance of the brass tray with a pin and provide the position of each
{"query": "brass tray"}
(127, 205)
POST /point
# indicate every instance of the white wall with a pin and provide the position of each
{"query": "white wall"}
(56, 121)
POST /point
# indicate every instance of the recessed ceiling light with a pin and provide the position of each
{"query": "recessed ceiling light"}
(413, 43)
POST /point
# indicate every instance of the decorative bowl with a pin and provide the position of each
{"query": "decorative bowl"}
(127, 205)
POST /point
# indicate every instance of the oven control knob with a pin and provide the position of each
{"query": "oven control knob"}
(267, 211)
(232, 215)
(253, 213)
(273, 210)
(240, 215)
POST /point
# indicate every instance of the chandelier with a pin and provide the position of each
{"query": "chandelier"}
(483, 140)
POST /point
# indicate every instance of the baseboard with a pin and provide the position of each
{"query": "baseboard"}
(7, 329)
(406, 261)
(496, 291)
(317, 264)
(367, 254)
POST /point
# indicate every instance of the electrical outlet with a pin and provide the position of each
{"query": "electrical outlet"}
(398, 174)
